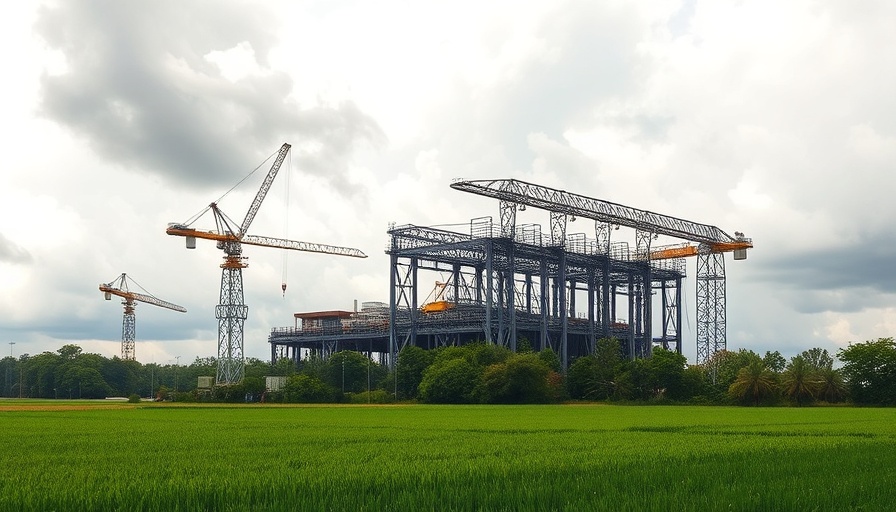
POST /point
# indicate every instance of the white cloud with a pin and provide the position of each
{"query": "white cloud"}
(235, 63)
(768, 118)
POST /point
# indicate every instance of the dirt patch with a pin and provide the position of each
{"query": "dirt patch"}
(61, 407)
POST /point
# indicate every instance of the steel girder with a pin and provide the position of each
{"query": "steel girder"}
(560, 201)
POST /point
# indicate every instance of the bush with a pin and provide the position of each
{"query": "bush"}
(450, 381)
(307, 389)
(376, 396)
(134, 398)
(521, 379)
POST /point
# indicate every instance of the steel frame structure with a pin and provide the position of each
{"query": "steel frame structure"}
(713, 243)
(508, 283)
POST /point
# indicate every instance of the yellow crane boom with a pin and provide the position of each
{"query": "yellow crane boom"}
(119, 288)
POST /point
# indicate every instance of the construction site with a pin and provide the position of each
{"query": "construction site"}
(525, 286)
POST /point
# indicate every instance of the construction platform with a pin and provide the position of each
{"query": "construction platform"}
(515, 289)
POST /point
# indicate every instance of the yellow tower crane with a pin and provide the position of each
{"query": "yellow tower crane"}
(232, 310)
(119, 288)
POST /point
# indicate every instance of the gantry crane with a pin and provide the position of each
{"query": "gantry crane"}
(711, 242)
(119, 288)
(232, 311)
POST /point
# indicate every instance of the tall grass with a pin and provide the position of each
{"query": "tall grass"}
(448, 458)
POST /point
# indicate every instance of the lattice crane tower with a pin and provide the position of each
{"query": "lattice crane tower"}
(232, 311)
(119, 288)
(711, 241)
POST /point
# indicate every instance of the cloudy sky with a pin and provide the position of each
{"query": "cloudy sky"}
(777, 119)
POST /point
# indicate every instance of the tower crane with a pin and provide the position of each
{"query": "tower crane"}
(710, 242)
(232, 310)
(119, 288)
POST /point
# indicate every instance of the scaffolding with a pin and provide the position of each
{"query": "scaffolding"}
(555, 293)
(510, 283)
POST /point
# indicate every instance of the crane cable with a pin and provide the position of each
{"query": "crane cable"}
(202, 212)
(286, 224)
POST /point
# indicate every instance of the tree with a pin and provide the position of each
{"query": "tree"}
(302, 388)
(121, 375)
(87, 382)
(69, 351)
(449, 381)
(521, 379)
(484, 354)
(831, 387)
(799, 381)
(693, 383)
(41, 378)
(753, 382)
(593, 377)
(412, 361)
(870, 371)
(818, 359)
(347, 371)
(723, 367)
(283, 367)
(551, 359)
(635, 381)
(580, 379)
(774, 361)
(667, 368)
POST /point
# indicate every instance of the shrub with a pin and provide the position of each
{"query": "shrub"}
(449, 381)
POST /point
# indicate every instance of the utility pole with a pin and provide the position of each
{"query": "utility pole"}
(177, 364)
(152, 375)
(8, 376)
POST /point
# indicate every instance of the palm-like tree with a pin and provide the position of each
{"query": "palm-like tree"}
(831, 387)
(753, 381)
(799, 381)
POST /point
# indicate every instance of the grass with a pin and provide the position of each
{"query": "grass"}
(582, 457)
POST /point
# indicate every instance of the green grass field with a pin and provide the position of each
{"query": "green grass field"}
(73, 456)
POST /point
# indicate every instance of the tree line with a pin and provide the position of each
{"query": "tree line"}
(482, 373)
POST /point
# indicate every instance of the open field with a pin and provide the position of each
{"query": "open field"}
(120, 456)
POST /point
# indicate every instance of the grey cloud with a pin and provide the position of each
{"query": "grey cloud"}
(588, 57)
(11, 252)
(847, 279)
(139, 91)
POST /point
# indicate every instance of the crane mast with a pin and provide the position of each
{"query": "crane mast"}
(119, 287)
(231, 311)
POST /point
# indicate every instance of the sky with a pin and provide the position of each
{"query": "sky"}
(775, 119)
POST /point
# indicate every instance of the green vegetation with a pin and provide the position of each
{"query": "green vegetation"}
(480, 373)
(185, 457)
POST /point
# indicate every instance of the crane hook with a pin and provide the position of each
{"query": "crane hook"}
(283, 287)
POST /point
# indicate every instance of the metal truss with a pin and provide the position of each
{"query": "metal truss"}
(231, 313)
(711, 322)
(506, 287)
(711, 328)
(559, 201)
(128, 332)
